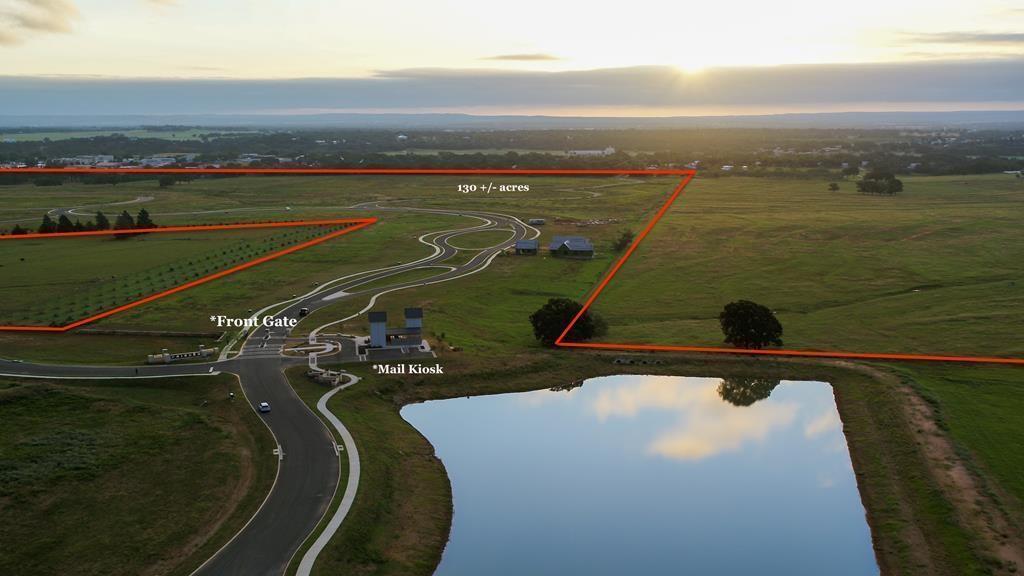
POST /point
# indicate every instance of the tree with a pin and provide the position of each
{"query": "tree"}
(143, 220)
(833, 187)
(878, 182)
(48, 226)
(746, 391)
(851, 171)
(18, 230)
(747, 324)
(64, 224)
(624, 240)
(124, 221)
(551, 319)
(167, 180)
(101, 222)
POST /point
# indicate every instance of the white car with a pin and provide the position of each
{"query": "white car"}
(264, 407)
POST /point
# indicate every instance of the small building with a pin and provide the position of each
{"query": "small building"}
(527, 247)
(536, 221)
(411, 335)
(378, 329)
(571, 247)
(414, 318)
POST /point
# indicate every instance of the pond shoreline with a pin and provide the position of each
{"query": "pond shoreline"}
(914, 528)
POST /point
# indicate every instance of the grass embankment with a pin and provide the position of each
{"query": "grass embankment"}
(126, 477)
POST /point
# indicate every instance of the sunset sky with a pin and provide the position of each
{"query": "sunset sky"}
(689, 42)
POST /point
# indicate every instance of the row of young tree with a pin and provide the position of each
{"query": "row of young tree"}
(63, 223)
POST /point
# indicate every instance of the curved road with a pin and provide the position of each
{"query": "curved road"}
(309, 470)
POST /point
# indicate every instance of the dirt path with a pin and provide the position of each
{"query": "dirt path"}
(976, 504)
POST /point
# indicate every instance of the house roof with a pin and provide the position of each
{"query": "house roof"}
(527, 244)
(414, 312)
(378, 316)
(574, 243)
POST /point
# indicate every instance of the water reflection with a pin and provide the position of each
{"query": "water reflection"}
(704, 425)
(745, 391)
(650, 475)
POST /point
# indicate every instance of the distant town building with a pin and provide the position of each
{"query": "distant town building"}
(571, 247)
(606, 152)
(527, 247)
(158, 161)
(86, 160)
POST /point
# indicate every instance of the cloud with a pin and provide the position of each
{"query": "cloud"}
(968, 38)
(706, 424)
(825, 422)
(537, 57)
(20, 19)
(664, 90)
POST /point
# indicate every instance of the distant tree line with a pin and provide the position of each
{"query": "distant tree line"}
(775, 152)
(63, 224)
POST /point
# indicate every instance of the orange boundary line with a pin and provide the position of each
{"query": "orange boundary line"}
(352, 224)
(687, 176)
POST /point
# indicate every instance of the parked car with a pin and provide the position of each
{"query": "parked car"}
(264, 407)
(303, 312)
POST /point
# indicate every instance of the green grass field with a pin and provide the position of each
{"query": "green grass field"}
(392, 240)
(482, 239)
(938, 269)
(144, 477)
(935, 269)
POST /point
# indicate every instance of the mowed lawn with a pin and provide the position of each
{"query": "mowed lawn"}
(938, 268)
(109, 477)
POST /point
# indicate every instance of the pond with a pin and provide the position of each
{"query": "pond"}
(650, 475)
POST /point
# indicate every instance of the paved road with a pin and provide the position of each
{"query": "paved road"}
(306, 480)
(309, 467)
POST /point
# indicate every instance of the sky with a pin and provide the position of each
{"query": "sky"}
(701, 54)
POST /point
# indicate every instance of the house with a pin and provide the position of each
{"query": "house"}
(527, 247)
(571, 247)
